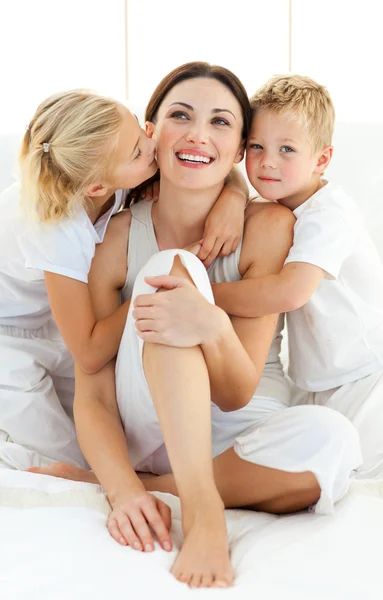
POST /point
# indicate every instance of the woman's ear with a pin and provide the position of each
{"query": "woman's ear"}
(149, 128)
(240, 153)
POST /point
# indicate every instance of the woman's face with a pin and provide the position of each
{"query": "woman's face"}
(134, 159)
(198, 133)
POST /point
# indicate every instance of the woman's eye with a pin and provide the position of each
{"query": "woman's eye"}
(178, 114)
(138, 154)
(220, 121)
(286, 149)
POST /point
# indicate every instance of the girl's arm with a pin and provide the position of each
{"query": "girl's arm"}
(92, 340)
(92, 343)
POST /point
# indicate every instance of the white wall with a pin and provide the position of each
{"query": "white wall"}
(250, 37)
(52, 45)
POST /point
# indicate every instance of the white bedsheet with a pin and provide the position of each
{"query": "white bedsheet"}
(57, 547)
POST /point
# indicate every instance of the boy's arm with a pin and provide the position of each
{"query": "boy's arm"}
(288, 290)
(224, 224)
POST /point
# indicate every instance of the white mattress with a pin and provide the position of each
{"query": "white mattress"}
(54, 545)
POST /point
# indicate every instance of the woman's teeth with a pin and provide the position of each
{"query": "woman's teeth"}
(193, 158)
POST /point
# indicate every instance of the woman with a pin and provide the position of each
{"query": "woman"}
(80, 152)
(179, 352)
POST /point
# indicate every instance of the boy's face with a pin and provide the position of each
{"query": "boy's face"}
(280, 161)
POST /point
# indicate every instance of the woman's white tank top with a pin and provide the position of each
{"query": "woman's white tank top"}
(143, 244)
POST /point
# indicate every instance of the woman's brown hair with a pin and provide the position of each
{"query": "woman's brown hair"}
(193, 70)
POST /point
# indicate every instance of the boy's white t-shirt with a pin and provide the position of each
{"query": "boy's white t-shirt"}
(337, 336)
(27, 250)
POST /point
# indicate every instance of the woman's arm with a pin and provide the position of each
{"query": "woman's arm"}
(236, 351)
(224, 224)
(98, 424)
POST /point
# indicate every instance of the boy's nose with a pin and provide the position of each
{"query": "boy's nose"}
(268, 161)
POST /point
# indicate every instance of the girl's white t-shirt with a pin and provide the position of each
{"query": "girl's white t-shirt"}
(337, 336)
(27, 250)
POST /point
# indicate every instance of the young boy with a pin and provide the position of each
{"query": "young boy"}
(331, 285)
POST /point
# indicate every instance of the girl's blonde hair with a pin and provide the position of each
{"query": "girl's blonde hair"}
(67, 147)
(303, 98)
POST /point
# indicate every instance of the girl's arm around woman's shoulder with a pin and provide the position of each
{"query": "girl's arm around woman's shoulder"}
(93, 340)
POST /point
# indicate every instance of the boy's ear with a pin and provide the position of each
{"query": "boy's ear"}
(324, 159)
(149, 128)
(96, 189)
(240, 153)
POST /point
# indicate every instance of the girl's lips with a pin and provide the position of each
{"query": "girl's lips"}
(268, 179)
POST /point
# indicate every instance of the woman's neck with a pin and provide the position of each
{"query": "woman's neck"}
(179, 215)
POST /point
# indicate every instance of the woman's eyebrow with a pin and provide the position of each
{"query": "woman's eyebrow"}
(215, 110)
(183, 104)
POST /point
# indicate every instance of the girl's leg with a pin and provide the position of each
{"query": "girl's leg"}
(179, 384)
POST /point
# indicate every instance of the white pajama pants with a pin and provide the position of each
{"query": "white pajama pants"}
(36, 399)
(361, 402)
(265, 432)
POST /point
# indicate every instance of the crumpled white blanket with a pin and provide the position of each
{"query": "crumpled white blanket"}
(54, 546)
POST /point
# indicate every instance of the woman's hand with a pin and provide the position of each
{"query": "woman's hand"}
(223, 226)
(177, 316)
(134, 514)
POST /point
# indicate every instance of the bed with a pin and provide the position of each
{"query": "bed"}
(54, 544)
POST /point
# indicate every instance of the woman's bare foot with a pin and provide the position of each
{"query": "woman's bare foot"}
(204, 558)
(66, 471)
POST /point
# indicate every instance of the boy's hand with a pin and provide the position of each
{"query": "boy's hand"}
(151, 192)
(134, 514)
(223, 226)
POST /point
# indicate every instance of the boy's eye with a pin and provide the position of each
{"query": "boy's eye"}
(256, 146)
(286, 149)
(220, 121)
(179, 114)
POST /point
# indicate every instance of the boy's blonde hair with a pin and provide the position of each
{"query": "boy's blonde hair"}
(303, 98)
(66, 147)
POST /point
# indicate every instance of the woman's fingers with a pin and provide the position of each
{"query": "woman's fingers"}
(115, 531)
(140, 525)
(165, 513)
(157, 523)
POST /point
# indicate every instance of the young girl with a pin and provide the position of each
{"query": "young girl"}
(79, 153)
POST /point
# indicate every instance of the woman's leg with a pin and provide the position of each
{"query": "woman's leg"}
(179, 384)
(295, 458)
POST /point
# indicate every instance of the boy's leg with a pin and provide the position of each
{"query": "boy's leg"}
(361, 402)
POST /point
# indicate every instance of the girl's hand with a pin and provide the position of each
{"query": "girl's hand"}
(223, 226)
(151, 192)
(134, 514)
(180, 316)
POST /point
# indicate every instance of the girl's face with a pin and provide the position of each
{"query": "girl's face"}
(198, 133)
(134, 160)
